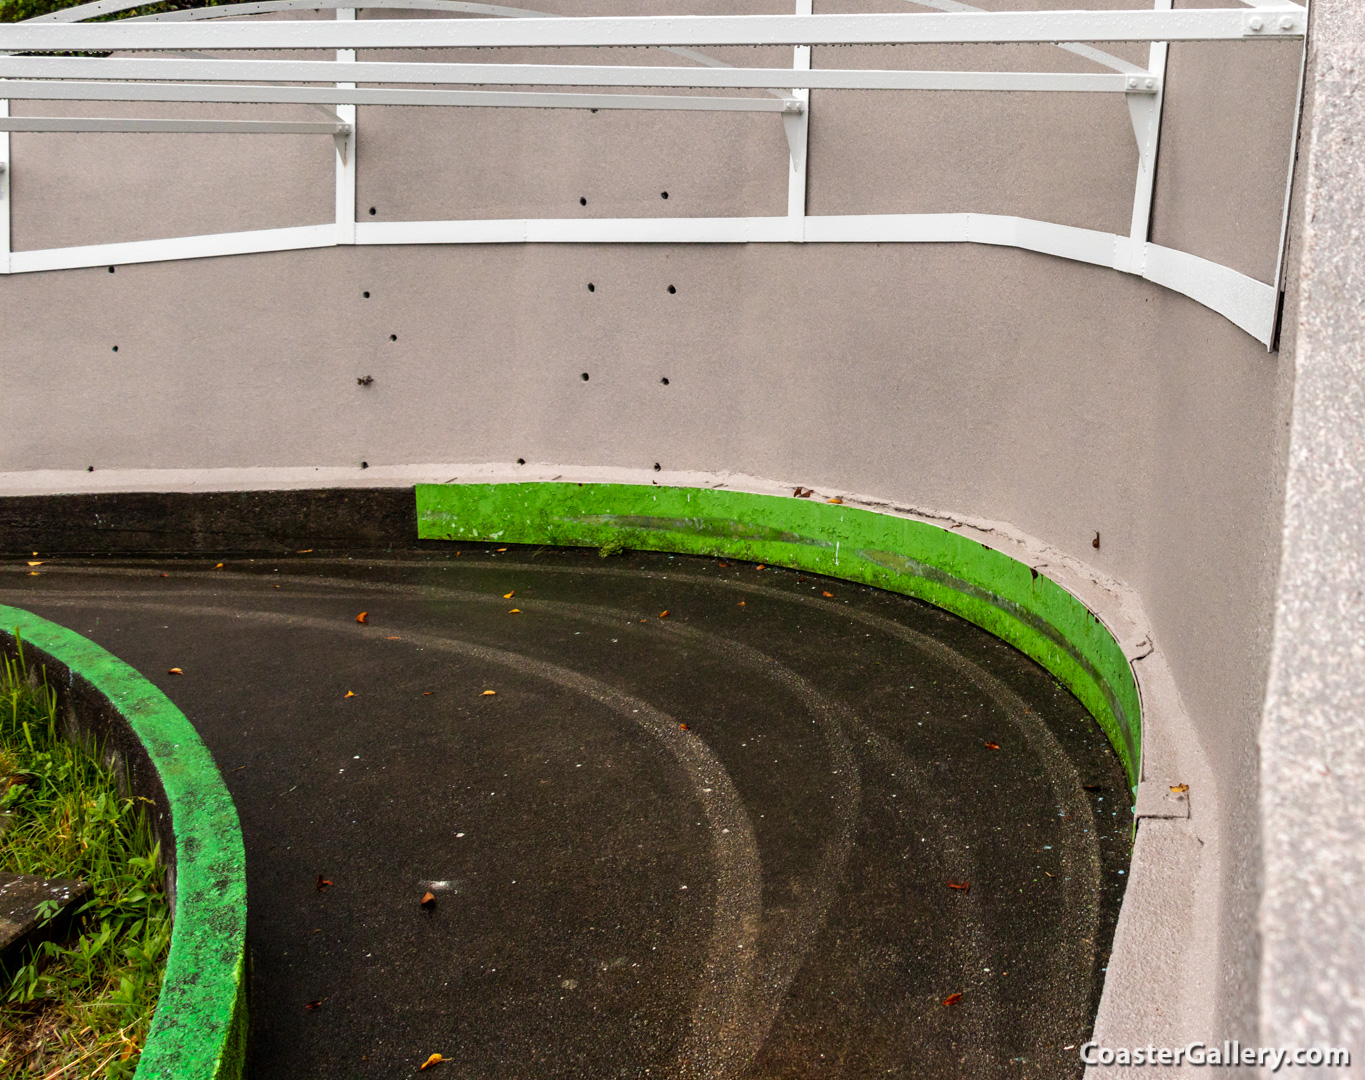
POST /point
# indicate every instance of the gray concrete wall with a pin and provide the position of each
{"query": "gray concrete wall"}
(997, 384)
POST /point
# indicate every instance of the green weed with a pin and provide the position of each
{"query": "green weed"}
(82, 1009)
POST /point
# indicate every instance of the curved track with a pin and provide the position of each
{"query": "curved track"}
(712, 843)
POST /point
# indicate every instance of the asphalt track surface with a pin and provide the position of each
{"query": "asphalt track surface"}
(715, 842)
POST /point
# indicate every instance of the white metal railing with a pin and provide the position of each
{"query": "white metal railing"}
(184, 76)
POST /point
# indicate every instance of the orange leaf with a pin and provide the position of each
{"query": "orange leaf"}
(488, 693)
(34, 573)
(740, 604)
(314, 1004)
(1180, 787)
(759, 566)
(663, 614)
(682, 727)
(219, 566)
(502, 549)
(509, 595)
(963, 885)
(515, 611)
(323, 883)
(825, 593)
(350, 693)
(992, 746)
(435, 1059)
(837, 501)
(305, 551)
(393, 637)
(175, 671)
(429, 900)
(952, 999)
(38, 563)
(361, 617)
(723, 565)
(428, 693)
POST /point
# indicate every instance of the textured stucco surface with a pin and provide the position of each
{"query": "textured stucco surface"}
(1313, 740)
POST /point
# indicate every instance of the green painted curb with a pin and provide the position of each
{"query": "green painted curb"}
(199, 1029)
(984, 586)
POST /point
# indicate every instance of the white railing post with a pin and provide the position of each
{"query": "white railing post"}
(796, 126)
(1145, 110)
(345, 151)
(4, 191)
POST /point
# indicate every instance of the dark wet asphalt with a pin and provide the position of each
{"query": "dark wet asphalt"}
(715, 843)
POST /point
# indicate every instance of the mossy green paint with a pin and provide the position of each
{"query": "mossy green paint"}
(199, 1029)
(984, 586)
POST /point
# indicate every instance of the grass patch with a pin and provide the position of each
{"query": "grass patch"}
(81, 1010)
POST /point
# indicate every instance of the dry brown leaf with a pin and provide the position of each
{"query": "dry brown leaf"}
(759, 566)
(824, 592)
(1180, 787)
(509, 595)
(837, 501)
(350, 693)
(435, 1059)
(393, 637)
(682, 727)
(428, 693)
(740, 604)
(305, 551)
(315, 1004)
(663, 614)
(952, 999)
(488, 693)
(502, 549)
(362, 616)
(962, 885)
(174, 671)
(429, 900)
(992, 746)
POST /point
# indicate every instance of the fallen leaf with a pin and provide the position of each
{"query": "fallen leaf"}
(952, 999)
(323, 883)
(219, 566)
(740, 604)
(163, 575)
(305, 551)
(429, 900)
(34, 573)
(515, 611)
(663, 614)
(315, 1004)
(38, 563)
(168, 575)
(1180, 787)
(992, 746)
(682, 727)
(509, 595)
(803, 493)
(759, 566)
(393, 637)
(963, 885)
(362, 616)
(1091, 787)
(488, 693)
(435, 1059)
(824, 593)
(1049, 875)
(175, 671)
(350, 693)
(428, 693)
(724, 565)
(837, 502)
(502, 549)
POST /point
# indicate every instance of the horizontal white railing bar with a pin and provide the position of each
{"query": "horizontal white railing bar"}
(22, 68)
(265, 7)
(186, 126)
(1244, 301)
(1190, 24)
(333, 95)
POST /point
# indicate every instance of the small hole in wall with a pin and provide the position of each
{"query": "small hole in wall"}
(521, 461)
(664, 380)
(373, 211)
(657, 467)
(663, 194)
(364, 464)
(111, 269)
(366, 294)
(582, 201)
(393, 337)
(115, 348)
(672, 289)
(90, 468)
(591, 287)
(584, 376)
